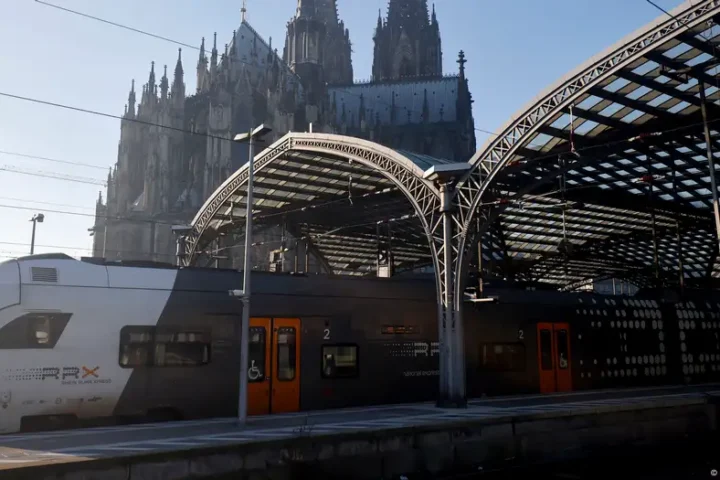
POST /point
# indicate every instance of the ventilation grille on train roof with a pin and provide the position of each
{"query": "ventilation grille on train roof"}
(43, 274)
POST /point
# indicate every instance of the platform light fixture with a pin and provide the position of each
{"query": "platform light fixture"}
(37, 218)
(95, 229)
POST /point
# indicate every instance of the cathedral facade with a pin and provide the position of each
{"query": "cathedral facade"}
(175, 148)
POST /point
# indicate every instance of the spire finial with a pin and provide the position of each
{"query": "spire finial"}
(461, 61)
(243, 10)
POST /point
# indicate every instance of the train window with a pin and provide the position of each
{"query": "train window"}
(145, 347)
(33, 331)
(507, 357)
(546, 350)
(181, 349)
(256, 355)
(136, 346)
(181, 354)
(562, 349)
(286, 353)
(339, 361)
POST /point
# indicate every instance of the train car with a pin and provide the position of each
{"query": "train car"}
(549, 341)
(93, 339)
(84, 339)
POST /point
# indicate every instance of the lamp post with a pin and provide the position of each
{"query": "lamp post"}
(37, 218)
(249, 137)
(95, 229)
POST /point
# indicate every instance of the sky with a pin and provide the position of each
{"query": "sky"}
(515, 49)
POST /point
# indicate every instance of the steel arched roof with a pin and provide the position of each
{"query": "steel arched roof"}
(627, 130)
(337, 190)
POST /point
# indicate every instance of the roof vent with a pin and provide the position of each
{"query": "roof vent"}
(43, 274)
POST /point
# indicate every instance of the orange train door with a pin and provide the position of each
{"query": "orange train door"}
(274, 366)
(285, 395)
(554, 357)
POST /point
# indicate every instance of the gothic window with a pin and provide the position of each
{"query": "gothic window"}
(405, 67)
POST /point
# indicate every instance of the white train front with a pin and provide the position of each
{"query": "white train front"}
(50, 365)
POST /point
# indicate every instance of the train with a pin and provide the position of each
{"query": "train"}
(84, 339)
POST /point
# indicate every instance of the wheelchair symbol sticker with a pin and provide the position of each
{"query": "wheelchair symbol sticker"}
(254, 372)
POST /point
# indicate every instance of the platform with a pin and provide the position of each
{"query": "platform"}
(382, 439)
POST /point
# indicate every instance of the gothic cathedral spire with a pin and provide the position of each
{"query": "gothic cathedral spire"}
(178, 85)
(317, 47)
(408, 43)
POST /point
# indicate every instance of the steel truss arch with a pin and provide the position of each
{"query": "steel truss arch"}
(403, 172)
(475, 188)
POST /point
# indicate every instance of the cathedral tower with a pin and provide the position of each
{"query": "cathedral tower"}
(317, 48)
(408, 43)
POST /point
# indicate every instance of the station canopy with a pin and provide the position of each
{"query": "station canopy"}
(344, 194)
(606, 174)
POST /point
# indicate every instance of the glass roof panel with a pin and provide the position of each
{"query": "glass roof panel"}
(688, 85)
(586, 127)
(589, 102)
(611, 109)
(632, 116)
(703, 57)
(680, 106)
(708, 33)
(677, 50)
(562, 121)
(539, 141)
(638, 92)
(616, 84)
(422, 161)
(646, 67)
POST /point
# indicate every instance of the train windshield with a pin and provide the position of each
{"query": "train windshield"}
(9, 284)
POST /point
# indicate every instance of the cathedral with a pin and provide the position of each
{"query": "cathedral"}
(175, 147)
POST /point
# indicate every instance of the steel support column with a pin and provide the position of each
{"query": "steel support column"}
(452, 337)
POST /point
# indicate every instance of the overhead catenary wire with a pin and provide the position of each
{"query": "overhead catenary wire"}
(540, 157)
(53, 175)
(110, 115)
(47, 159)
(55, 204)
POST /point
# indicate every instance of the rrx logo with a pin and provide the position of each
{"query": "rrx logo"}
(65, 373)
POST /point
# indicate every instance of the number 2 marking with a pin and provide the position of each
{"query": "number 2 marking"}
(326, 336)
(521, 335)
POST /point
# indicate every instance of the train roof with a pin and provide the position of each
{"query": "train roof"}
(99, 272)
(63, 270)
